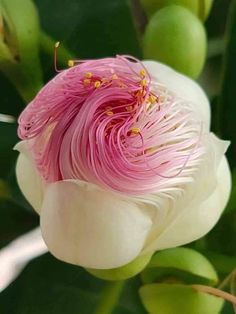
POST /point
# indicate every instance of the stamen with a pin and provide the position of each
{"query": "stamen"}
(86, 81)
(71, 63)
(88, 74)
(143, 83)
(142, 73)
(57, 44)
(152, 99)
(129, 108)
(135, 130)
(109, 113)
(97, 84)
(124, 139)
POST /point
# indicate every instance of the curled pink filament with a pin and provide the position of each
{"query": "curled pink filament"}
(107, 122)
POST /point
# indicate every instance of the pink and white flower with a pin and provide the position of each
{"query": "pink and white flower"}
(118, 160)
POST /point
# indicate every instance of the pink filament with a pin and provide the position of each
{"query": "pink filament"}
(99, 122)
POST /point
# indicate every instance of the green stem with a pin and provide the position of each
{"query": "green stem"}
(25, 85)
(109, 297)
(47, 45)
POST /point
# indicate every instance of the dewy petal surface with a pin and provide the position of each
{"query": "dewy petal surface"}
(28, 178)
(182, 86)
(84, 225)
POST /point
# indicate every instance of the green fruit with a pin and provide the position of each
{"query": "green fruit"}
(176, 37)
(201, 8)
(178, 299)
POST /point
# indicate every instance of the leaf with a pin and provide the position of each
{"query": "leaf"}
(14, 221)
(232, 201)
(8, 138)
(49, 286)
(227, 108)
(90, 29)
(233, 287)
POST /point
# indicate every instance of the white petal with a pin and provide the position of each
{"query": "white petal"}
(84, 225)
(182, 86)
(28, 177)
(196, 221)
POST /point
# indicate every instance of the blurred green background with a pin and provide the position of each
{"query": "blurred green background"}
(92, 29)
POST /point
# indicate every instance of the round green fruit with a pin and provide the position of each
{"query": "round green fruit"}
(200, 8)
(176, 37)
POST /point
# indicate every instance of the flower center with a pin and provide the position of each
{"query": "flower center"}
(107, 122)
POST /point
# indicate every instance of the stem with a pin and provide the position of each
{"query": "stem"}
(216, 292)
(227, 280)
(47, 45)
(109, 297)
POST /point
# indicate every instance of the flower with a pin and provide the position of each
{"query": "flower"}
(117, 158)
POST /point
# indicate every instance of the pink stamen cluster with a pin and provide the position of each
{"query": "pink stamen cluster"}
(106, 122)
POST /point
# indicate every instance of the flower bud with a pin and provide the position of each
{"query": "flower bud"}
(114, 146)
(176, 37)
(177, 298)
(121, 273)
(198, 7)
(19, 45)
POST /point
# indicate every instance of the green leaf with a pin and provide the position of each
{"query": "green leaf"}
(222, 238)
(233, 287)
(232, 201)
(183, 264)
(91, 29)
(14, 221)
(48, 286)
(227, 108)
(176, 299)
(224, 264)
(8, 138)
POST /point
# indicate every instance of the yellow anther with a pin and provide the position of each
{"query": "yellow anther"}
(71, 63)
(109, 113)
(57, 44)
(152, 99)
(114, 77)
(87, 82)
(143, 82)
(135, 130)
(88, 74)
(97, 84)
(129, 108)
(142, 72)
